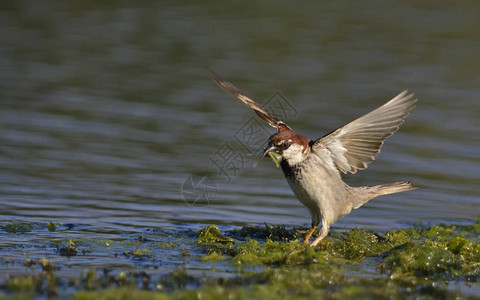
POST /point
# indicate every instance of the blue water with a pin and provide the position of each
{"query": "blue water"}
(106, 112)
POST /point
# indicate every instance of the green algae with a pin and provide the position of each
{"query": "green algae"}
(444, 256)
(138, 253)
(47, 266)
(439, 251)
(290, 283)
(277, 254)
(27, 286)
(17, 228)
(177, 280)
(123, 293)
(213, 256)
(276, 158)
(20, 284)
(358, 244)
(67, 248)
(165, 245)
(211, 234)
(51, 226)
(269, 262)
(349, 247)
(274, 233)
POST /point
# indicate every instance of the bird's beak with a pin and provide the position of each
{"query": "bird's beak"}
(269, 149)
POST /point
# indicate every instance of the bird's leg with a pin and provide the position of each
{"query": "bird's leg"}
(309, 234)
(323, 234)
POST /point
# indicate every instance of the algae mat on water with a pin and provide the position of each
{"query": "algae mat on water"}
(267, 262)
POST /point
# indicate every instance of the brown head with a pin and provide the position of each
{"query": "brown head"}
(293, 146)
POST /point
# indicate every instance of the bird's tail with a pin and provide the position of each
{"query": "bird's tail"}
(364, 194)
(391, 188)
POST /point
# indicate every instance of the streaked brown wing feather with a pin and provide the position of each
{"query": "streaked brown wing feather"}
(260, 111)
(356, 144)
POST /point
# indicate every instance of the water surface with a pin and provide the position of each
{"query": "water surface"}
(106, 111)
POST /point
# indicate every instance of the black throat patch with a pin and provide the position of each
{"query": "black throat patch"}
(291, 172)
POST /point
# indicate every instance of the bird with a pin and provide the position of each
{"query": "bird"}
(313, 168)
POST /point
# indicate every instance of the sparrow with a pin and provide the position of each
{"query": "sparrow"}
(313, 167)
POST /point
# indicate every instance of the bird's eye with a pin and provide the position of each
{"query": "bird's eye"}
(285, 144)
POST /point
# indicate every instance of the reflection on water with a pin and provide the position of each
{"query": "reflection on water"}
(106, 111)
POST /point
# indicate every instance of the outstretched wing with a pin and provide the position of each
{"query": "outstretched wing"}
(260, 111)
(356, 144)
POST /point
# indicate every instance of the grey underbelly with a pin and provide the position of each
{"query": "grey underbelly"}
(326, 196)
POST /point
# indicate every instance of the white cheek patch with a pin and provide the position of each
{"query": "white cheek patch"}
(294, 154)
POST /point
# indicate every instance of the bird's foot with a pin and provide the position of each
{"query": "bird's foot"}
(309, 233)
(316, 241)
(322, 235)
